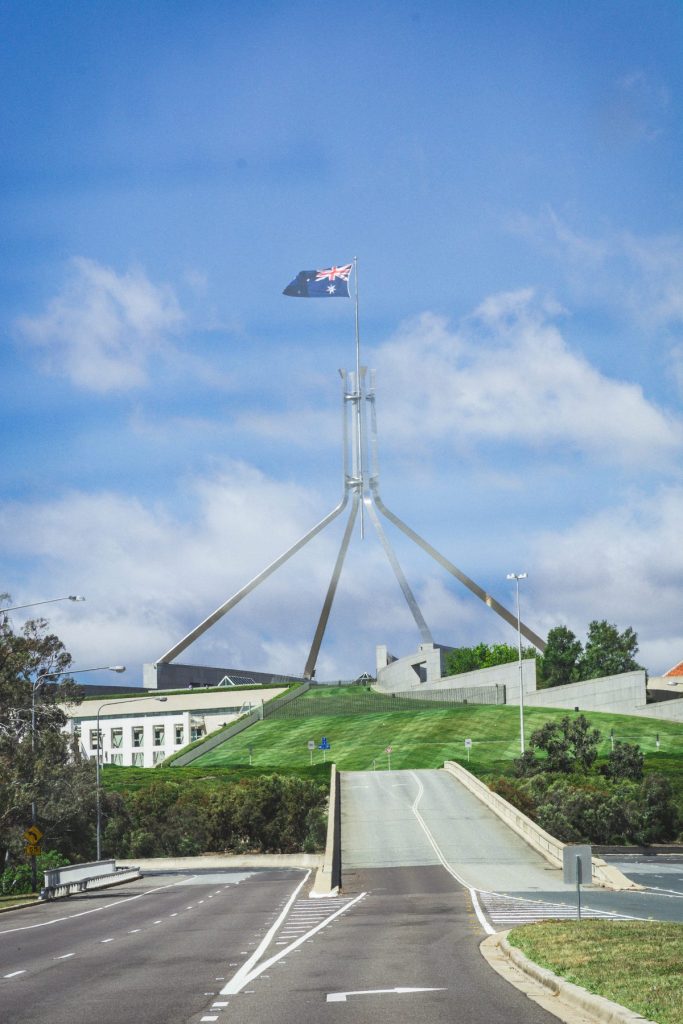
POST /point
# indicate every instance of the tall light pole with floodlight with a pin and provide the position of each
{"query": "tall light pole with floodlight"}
(35, 685)
(107, 704)
(517, 576)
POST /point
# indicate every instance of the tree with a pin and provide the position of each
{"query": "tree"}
(560, 658)
(36, 761)
(624, 762)
(608, 652)
(469, 659)
(570, 744)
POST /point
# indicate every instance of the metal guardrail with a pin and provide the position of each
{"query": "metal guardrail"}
(76, 878)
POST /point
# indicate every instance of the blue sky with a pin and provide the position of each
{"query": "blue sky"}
(509, 177)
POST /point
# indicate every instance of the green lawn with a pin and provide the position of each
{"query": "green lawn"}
(425, 739)
(419, 739)
(636, 963)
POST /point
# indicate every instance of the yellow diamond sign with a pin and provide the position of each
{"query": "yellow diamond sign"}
(33, 835)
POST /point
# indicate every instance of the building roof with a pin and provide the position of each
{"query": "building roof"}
(677, 670)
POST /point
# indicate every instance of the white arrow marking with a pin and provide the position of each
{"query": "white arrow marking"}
(340, 997)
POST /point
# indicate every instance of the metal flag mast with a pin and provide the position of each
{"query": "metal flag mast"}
(362, 489)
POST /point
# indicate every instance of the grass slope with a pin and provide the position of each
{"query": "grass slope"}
(425, 739)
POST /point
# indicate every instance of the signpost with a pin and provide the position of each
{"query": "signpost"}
(32, 837)
(311, 748)
(577, 865)
(468, 747)
(324, 746)
(250, 748)
(388, 753)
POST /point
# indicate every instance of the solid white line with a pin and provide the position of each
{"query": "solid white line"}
(242, 978)
(473, 895)
(14, 974)
(94, 910)
(106, 940)
(64, 956)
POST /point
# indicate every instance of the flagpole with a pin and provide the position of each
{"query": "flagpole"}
(359, 416)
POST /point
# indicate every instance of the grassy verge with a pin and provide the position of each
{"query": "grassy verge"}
(636, 963)
(6, 902)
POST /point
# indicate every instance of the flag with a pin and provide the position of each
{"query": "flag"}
(321, 284)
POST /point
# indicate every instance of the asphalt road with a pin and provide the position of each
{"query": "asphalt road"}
(155, 951)
(427, 817)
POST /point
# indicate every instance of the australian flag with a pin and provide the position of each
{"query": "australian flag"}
(321, 284)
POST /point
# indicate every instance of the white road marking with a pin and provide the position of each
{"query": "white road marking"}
(340, 997)
(244, 975)
(94, 910)
(475, 903)
(64, 956)
(223, 1003)
(209, 1018)
(14, 974)
(133, 931)
(106, 940)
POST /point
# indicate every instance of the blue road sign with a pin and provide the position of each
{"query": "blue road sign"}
(324, 745)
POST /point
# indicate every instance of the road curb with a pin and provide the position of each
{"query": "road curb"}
(574, 998)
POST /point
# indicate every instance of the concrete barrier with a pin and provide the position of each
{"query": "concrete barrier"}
(548, 846)
(328, 878)
(76, 878)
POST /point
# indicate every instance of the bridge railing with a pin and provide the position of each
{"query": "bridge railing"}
(74, 878)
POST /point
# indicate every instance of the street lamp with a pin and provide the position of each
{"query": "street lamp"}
(517, 576)
(107, 704)
(34, 604)
(35, 685)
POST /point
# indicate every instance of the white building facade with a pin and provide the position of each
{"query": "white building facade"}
(143, 731)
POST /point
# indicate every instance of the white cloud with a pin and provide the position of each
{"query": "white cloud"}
(641, 278)
(507, 375)
(103, 328)
(623, 564)
(150, 576)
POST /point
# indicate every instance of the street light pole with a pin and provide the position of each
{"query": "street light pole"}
(35, 685)
(517, 576)
(34, 604)
(107, 704)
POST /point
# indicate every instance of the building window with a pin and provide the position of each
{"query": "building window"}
(159, 735)
(179, 735)
(117, 758)
(116, 739)
(138, 735)
(93, 739)
(138, 760)
(196, 732)
(158, 756)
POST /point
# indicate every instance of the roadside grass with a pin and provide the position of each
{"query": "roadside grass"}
(638, 964)
(7, 902)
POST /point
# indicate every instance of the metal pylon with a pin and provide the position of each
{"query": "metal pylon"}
(361, 488)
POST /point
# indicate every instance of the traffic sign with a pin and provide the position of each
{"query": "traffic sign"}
(32, 835)
(324, 745)
(311, 744)
(33, 850)
(468, 743)
(389, 750)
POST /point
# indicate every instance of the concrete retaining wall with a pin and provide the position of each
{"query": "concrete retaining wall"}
(328, 879)
(545, 844)
(621, 694)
